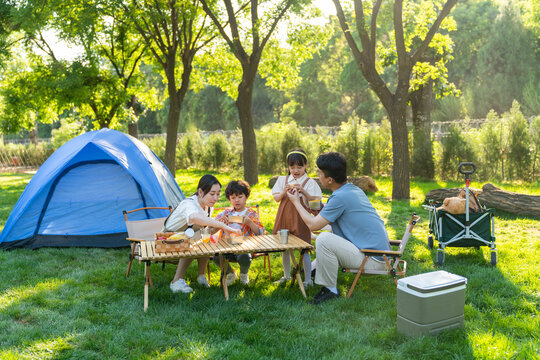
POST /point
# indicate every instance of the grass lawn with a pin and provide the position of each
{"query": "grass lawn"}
(76, 303)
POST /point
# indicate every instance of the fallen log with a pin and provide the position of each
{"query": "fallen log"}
(493, 197)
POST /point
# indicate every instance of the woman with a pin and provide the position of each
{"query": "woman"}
(195, 212)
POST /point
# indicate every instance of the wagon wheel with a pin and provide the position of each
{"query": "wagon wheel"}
(493, 258)
(430, 242)
(440, 257)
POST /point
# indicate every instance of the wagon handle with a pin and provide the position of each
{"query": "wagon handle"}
(466, 172)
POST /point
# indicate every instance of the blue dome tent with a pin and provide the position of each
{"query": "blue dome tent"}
(77, 196)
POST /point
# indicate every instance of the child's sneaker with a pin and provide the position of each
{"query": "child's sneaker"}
(180, 285)
(308, 284)
(201, 279)
(244, 279)
(231, 277)
(282, 281)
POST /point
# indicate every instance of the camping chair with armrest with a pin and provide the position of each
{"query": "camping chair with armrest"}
(266, 256)
(144, 230)
(392, 258)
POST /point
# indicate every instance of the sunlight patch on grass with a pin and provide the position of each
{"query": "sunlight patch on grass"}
(46, 349)
(18, 294)
(187, 350)
(489, 345)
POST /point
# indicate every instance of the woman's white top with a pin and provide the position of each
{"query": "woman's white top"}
(179, 219)
(311, 187)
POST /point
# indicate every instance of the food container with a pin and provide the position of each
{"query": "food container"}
(236, 219)
(237, 239)
(172, 242)
(315, 204)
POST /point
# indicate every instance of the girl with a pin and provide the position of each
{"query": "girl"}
(195, 212)
(287, 217)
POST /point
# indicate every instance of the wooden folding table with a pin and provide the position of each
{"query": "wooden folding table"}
(250, 244)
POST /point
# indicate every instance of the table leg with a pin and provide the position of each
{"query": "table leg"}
(146, 280)
(224, 263)
(297, 271)
(150, 277)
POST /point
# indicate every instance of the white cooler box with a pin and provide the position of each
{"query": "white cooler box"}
(430, 303)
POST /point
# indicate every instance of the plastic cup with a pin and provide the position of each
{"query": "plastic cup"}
(315, 204)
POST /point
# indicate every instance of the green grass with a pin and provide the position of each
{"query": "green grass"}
(77, 303)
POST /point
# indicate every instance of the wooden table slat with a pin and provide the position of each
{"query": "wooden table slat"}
(268, 243)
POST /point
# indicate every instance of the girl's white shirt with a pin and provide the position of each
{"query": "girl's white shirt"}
(312, 188)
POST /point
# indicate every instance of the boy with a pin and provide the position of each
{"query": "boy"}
(237, 192)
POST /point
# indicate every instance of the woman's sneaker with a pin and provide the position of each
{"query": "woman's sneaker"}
(244, 279)
(181, 285)
(201, 279)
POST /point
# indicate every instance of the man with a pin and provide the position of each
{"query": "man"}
(355, 225)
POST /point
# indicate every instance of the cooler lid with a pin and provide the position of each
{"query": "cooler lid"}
(432, 281)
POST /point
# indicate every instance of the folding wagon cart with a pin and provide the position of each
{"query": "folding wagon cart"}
(461, 230)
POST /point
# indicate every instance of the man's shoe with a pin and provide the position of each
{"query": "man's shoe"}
(324, 295)
(201, 279)
(231, 277)
(244, 279)
(180, 285)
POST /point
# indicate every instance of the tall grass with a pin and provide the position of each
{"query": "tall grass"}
(76, 303)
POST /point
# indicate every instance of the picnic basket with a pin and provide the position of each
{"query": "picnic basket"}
(163, 244)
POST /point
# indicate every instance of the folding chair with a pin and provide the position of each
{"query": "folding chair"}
(142, 230)
(266, 256)
(394, 263)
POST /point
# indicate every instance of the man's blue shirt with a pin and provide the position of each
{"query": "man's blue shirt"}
(354, 218)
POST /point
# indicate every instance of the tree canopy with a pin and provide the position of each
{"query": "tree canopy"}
(171, 65)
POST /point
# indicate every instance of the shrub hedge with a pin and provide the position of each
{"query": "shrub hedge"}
(505, 147)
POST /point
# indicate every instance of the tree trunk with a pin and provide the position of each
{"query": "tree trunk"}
(400, 151)
(34, 134)
(243, 103)
(173, 119)
(422, 162)
(133, 129)
(133, 126)
(512, 202)
(176, 98)
(172, 130)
